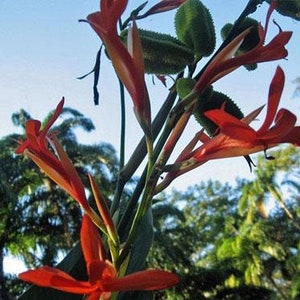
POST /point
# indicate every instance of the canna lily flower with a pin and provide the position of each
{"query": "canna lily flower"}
(56, 164)
(236, 137)
(128, 63)
(103, 277)
(225, 62)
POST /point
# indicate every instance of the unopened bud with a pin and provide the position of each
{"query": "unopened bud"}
(184, 86)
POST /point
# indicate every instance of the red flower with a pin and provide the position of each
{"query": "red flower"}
(128, 63)
(56, 164)
(103, 277)
(236, 137)
(224, 62)
(58, 167)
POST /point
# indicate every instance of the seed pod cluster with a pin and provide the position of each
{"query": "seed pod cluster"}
(214, 100)
(163, 53)
(194, 27)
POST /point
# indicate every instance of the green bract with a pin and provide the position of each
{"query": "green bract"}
(195, 27)
(163, 53)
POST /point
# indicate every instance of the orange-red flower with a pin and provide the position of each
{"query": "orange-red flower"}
(236, 137)
(103, 277)
(128, 63)
(58, 167)
(225, 61)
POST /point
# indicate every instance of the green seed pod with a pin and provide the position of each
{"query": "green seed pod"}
(194, 27)
(288, 8)
(163, 53)
(214, 100)
(184, 86)
(250, 41)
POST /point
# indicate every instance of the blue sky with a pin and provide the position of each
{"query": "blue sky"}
(44, 48)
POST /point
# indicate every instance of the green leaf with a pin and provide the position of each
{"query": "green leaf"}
(142, 244)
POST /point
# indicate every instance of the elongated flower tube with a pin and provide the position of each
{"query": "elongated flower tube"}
(103, 277)
(225, 61)
(237, 138)
(128, 63)
(56, 164)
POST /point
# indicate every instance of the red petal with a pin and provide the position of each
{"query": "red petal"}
(148, 280)
(91, 243)
(292, 137)
(285, 122)
(275, 92)
(101, 271)
(54, 278)
(231, 126)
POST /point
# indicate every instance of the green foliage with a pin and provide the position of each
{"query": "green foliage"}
(221, 245)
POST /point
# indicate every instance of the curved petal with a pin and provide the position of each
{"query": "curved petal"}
(91, 244)
(147, 280)
(101, 271)
(231, 126)
(284, 123)
(292, 137)
(57, 279)
(275, 92)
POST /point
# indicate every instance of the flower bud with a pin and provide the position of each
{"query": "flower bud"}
(194, 27)
(184, 86)
(163, 53)
(214, 100)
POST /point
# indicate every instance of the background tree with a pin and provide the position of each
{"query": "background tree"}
(235, 242)
(38, 221)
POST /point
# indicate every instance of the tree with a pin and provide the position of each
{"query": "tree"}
(226, 242)
(38, 220)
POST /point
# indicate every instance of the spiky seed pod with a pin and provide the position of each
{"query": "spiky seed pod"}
(250, 41)
(163, 53)
(184, 86)
(288, 8)
(214, 100)
(194, 27)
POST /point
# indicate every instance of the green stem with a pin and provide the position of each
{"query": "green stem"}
(120, 182)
